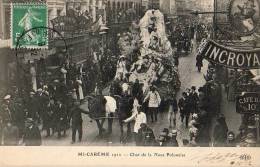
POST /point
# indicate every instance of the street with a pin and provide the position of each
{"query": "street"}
(189, 76)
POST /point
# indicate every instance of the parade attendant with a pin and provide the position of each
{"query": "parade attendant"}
(61, 118)
(76, 118)
(154, 101)
(199, 62)
(184, 108)
(172, 110)
(125, 107)
(139, 118)
(33, 107)
(194, 98)
(164, 139)
(145, 136)
(32, 135)
(10, 135)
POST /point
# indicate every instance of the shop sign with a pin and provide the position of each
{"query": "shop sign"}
(248, 103)
(228, 57)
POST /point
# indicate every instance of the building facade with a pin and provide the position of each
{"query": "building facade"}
(168, 7)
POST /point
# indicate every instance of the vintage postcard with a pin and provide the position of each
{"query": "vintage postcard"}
(129, 83)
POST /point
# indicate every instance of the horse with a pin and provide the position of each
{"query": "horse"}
(100, 109)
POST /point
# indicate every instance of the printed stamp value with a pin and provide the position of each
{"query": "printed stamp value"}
(25, 17)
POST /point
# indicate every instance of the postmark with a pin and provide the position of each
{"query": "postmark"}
(24, 17)
(24, 56)
(244, 16)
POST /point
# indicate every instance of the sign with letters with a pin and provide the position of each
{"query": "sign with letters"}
(228, 57)
(248, 103)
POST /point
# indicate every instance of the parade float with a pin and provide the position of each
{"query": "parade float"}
(154, 63)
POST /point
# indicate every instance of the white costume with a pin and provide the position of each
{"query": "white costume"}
(80, 90)
(139, 119)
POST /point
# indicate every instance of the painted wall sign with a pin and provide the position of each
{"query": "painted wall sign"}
(248, 103)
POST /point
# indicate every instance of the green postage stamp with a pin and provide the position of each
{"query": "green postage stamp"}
(28, 22)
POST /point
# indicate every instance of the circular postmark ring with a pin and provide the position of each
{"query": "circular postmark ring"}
(20, 66)
(244, 16)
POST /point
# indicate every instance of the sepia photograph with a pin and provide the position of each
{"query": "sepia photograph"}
(130, 73)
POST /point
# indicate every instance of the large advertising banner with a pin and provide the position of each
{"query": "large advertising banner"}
(228, 57)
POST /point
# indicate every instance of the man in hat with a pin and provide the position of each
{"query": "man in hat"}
(145, 136)
(184, 108)
(33, 107)
(154, 100)
(77, 121)
(164, 139)
(194, 98)
(32, 135)
(10, 135)
(173, 139)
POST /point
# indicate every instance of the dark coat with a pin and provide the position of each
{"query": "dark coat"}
(32, 136)
(76, 117)
(60, 115)
(184, 105)
(125, 107)
(137, 90)
(194, 98)
(145, 137)
(5, 115)
(33, 107)
(199, 61)
(11, 136)
(97, 107)
(48, 118)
